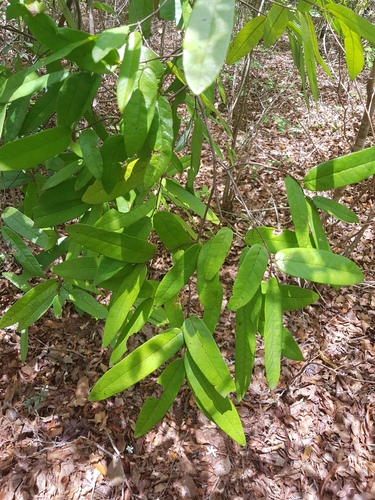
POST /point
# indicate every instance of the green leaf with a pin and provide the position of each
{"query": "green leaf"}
(246, 39)
(24, 226)
(308, 50)
(319, 266)
(317, 229)
(23, 254)
(272, 238)
(128, 69)
(117, 246)
(184, 199)
(31, 85)
(219, 409)
(184, 266)
(105, 7)
(31, 306)
(170, 229)
(342, 171)
(206, 42)
(137, 365)
(114, 220)
(24, 344)
(16, 114)
(122, 302)
(246, 330)
(354, 53)
(211, 296)
(113, 156)
(154, 409)
(74, 97)
(29, 151)
(353, 21)
(276, 21)
(219, 247)
(290, 348)
(273, 332)
(298, 210)
(53, 215)
(139, 112)
(196, 152)
(249, 276)
(80, 268)
(295, 297)
(335, 208)
(88, 142)
(108, 40)
(87, 303)
(206, 354)
(140, 14)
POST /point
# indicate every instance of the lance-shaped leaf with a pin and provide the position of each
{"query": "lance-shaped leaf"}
(295, 297)
(318, 265)
(273, 332)
(88, 141)
(298, 210)
(107, 40)
(219, 409)
(246, 330)
(273, 239)
(114, 220)
(75, 95)
(317, 229)
(308, 50)
(115, 245)
(276, 21)
(170, 229)
(249, 276)
(122, 302)
(206, 42)
(128, 69)
(113, 155)
(80, 268)
(137, 365)
(354, 21)
(210, 294)
(335, 208)
(29, 151)
(342, 171)
(246, 39)
(23, 254)
(87, 303)
(41, 111)
(31, 306)
(354, 53)
(154, 409)
(218, 249)
(290, 348)
(206, 354)
(24, 344)
(15, 116)
(178, 275)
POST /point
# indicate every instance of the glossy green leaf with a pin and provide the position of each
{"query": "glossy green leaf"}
(316, 227)
(32, 85)
(80, 268)
(318, 265)
(169, 227)
(249, 276)
(139, 111)
(196, 152)
(114, 220)
(115, 245)
(309, 55)
(137, 365)
(218, 250)
(206, 354)
(184, 266)
(92, 157)
(341, 171)
(137, 321)
(16, 114)
(53, 215)
(246, 39)
(298, 210)
(31, 306)
(174, 312)
(128, 69)
(354, 52)
(219, 409)
(113, 156)
(122, 302)
(210, 294)
(63, 174)
(24, 226)
(290, 348)
(273, 332)
(154, 409)
(74, 97)
(272, 238)
(23, 254)
(246, 330)
(186, 200)
(107, 40)
(275, 24)
(353, 21)
(295, 297)
(335, 208)
(88, 303)
(29, 151)
(108, 268)
(160, 140)
(206, 42)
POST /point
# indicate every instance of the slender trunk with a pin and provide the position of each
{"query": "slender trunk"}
(368, 112)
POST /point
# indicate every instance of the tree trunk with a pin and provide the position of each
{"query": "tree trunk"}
(368, 113)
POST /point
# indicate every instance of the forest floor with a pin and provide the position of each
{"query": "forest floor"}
(311, 438)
